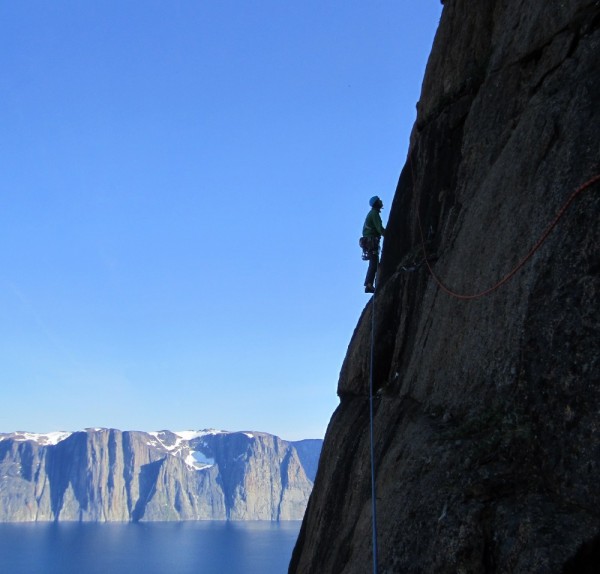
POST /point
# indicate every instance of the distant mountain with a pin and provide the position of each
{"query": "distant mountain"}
(112, 475)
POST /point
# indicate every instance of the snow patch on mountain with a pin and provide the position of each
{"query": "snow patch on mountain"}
(197, 460)
(180, 446)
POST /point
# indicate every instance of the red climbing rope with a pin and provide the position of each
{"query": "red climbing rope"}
(521, 263)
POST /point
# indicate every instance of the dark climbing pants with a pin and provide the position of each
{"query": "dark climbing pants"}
(372, 270)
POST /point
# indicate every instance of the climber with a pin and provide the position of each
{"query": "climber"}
(373, 230)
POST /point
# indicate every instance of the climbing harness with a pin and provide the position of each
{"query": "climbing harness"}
(371, 428)
(369, 246)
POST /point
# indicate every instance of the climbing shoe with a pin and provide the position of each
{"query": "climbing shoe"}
(369, 289)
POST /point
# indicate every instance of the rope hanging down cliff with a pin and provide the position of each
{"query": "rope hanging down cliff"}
(521, 263)
(371, 428)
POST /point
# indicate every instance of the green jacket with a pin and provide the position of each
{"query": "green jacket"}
(373, 226)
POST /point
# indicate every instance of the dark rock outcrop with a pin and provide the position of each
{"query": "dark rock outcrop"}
(486, 414)
(108, 475)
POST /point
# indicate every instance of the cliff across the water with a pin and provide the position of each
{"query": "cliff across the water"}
(109, 475)
(487, 410)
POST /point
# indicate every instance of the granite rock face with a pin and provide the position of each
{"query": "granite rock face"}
(109, 475)
(487, 434)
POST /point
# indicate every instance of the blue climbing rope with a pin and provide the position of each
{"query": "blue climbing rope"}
(374, 501)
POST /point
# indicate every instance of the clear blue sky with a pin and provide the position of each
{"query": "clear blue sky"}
(183, 185)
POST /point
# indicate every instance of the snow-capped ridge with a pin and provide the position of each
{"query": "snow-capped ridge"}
(43, 439)
(192, 434)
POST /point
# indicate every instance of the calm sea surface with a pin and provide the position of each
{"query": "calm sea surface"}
(148, 548)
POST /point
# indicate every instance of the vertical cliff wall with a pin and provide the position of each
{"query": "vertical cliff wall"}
(108, 475)
(486, 413)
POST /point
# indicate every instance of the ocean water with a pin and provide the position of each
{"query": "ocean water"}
(147, 548)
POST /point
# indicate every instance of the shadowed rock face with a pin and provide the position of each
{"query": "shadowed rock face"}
(109, 475)
(486, 421)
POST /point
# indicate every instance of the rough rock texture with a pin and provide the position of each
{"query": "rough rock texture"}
(109, 475)
(487, 410)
